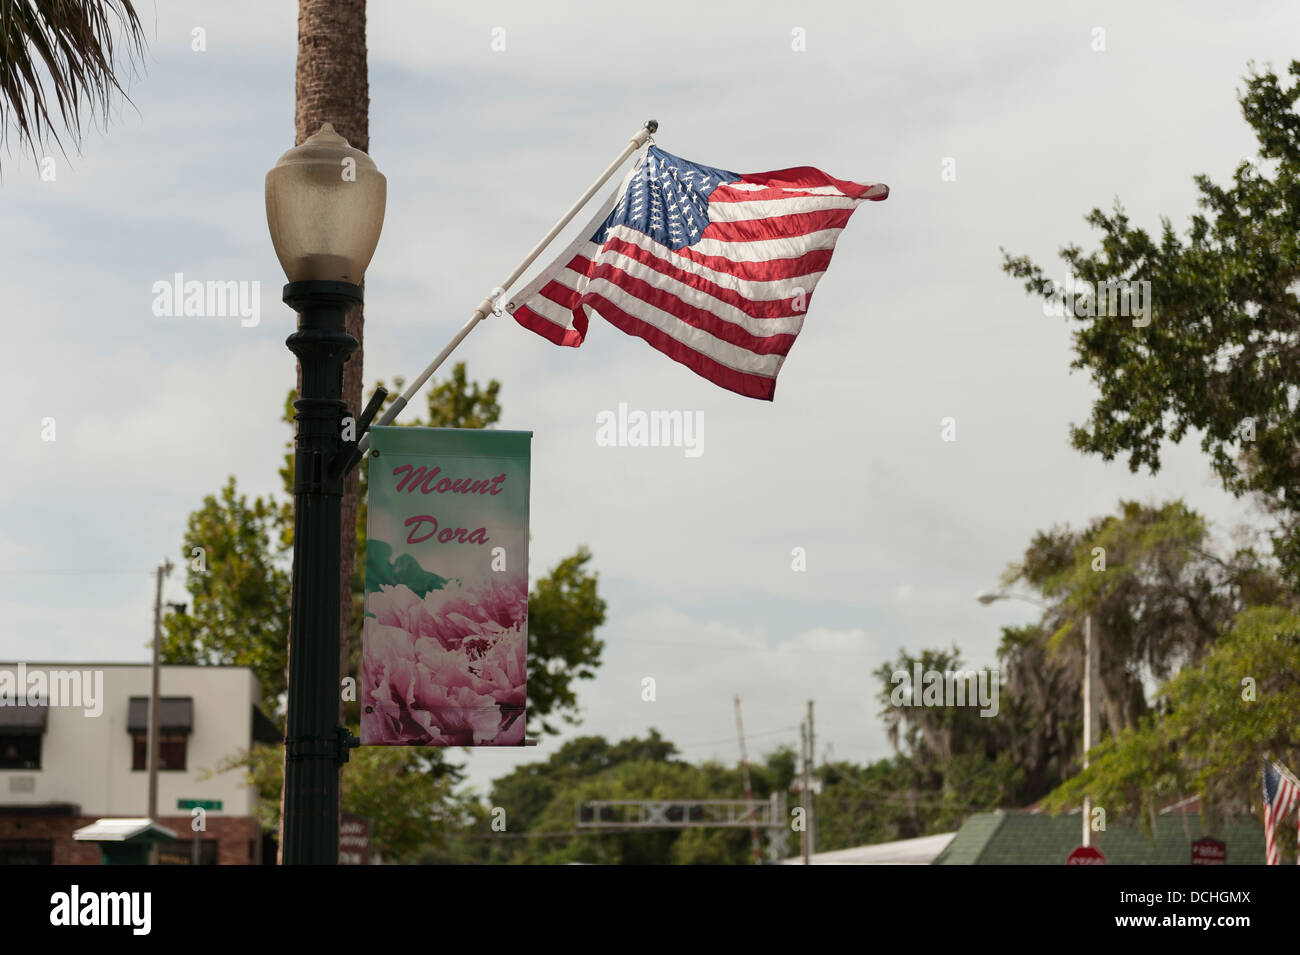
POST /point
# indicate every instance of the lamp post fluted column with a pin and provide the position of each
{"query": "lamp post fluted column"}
(314, 742)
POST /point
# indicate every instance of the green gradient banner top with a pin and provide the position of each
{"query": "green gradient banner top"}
(445, 642)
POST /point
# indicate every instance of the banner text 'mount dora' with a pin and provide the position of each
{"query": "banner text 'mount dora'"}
(413, 478)
(445, 641)
(426, 480)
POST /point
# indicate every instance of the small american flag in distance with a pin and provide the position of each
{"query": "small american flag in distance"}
(1281, 795)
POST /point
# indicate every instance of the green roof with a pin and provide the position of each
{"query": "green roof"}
(1024, 838)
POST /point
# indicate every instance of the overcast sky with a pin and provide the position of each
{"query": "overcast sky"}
(913, 322)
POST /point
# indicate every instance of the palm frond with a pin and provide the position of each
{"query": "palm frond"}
(58, 65)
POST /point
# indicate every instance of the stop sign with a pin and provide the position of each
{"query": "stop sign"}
(1085, 855)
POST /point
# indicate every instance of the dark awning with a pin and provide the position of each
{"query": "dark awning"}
(23, 720)
(175, 714)
(264, 731)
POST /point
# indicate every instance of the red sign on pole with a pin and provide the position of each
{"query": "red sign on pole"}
(354, 840)
(1085, 855)
(1209, 851)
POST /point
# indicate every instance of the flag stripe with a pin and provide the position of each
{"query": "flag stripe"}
(788, 228)
(724, 353)
(761, 251)
(1281, 795)
(777, 342)
(756, 315)
(806, 177)
(751, 385)
(720, 210)
(777, 269)
(754, 192)
(752, 281)
(553, 322)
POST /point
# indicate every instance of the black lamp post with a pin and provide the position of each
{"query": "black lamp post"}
(325, 208)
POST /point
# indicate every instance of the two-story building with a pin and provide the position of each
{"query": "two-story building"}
(73, 749)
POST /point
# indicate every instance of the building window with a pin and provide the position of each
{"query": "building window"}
(26, 851)
(171, 751)
(20, 752)
(175, 723)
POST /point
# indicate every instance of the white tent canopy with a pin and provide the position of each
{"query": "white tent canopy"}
(119, 830)
(920, 851)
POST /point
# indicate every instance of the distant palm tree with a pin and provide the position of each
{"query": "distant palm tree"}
(58, 64)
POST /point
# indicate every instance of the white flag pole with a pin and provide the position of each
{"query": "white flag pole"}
(484, 308)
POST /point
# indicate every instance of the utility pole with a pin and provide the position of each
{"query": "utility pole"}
(164, 569)
(804, 791)
(1091, 711)
(749, 793)
(812, 795)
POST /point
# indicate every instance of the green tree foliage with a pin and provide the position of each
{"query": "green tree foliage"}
(564, 611)
(239, 591)
(1041, 708)
(530, 788)
(410, 800)
(1213, 726)
(541, 801)
(881, 802)
(1159, 596)
(1165, 606)
(1157, 592)
(950, 760)
(1219, 353)
(935, 732)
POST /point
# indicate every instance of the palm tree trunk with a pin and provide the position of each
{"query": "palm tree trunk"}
(332, 86)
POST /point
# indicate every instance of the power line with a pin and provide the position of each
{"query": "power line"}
(623, 641)
(718, 742)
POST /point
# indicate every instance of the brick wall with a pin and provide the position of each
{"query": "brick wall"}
(235, 835)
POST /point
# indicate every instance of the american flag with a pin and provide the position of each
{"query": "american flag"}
(712, 268)
(1281, 795)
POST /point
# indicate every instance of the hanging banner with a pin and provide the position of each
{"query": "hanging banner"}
(445, 642)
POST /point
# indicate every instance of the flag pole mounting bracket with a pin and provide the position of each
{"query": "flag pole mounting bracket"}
(350, 455)
(489, 305)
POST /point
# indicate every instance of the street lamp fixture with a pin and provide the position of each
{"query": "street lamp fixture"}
(324, 208)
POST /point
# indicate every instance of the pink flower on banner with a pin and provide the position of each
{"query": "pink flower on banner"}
(449, 669)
